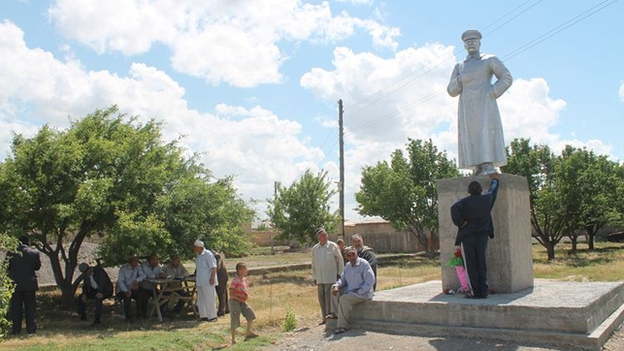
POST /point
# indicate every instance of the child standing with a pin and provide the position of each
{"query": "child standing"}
(239, 292)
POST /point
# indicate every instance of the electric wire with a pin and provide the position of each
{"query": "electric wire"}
(567, 24)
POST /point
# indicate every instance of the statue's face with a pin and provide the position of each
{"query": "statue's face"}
(472, 45)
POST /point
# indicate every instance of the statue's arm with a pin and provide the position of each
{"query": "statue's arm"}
(503, 77)
(455, 85)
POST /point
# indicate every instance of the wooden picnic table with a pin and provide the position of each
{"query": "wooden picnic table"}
(167, 289)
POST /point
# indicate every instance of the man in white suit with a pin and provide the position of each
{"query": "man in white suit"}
(206, 280)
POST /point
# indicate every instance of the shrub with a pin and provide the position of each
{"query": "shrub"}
(6, 284)
(290, 322)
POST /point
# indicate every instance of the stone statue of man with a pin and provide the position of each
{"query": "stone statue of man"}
(481, 142)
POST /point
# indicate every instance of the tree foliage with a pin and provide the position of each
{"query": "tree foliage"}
(570, 193)
(6, 284)
(112, 176)
(299, 209)
(404, 191)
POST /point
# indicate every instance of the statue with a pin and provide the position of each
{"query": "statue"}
(481, 142)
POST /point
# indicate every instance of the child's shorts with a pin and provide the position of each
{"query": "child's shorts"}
(236, 309)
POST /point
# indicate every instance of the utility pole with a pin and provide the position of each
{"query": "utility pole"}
(342, 181)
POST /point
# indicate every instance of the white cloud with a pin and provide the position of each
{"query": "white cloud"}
(358, 2)
(237, 42)
(253, 144)
(405, 96)
(621, 92)
(528, 111)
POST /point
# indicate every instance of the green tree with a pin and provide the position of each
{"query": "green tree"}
(404, 192)
(6, 284)
(536, 163)
(592, 180)
(109, 174)
(302, 207)
(570, 193)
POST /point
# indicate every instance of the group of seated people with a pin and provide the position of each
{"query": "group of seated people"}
(132, 283)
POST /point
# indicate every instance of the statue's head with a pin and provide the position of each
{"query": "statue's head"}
(472, 41)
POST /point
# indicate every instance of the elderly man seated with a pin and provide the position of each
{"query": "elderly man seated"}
(176, 270)
(152, 270)
(130, 275)
(354, 286)
(96, 286)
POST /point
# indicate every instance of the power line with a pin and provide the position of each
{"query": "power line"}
(514, 17)
(558, 29)
(583, 15)
(407, 80)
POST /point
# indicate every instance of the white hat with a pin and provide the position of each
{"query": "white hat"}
(199, 243)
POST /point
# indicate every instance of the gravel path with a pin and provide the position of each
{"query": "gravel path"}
(316, 339)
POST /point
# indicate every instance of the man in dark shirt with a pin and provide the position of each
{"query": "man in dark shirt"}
(97, 286)
(366, 253)
(472, 215)
(22, 267)
(222, 291)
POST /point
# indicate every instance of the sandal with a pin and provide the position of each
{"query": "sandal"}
(340, 330)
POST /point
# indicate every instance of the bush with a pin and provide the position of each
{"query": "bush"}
(290, 322)
(6, 284)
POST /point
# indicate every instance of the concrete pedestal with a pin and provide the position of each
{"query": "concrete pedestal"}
(552, 312)
(509, 255)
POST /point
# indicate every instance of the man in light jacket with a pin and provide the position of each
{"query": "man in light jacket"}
(327, 266)
(130, 275)
(354, 286)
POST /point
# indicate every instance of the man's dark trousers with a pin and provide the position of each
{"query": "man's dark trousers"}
(82, 306)
(474, 247)
(127, 302)
(25, 300)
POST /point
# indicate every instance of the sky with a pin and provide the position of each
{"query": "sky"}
(253, 85)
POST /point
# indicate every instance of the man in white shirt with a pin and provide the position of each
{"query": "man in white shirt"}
(176, 270)
(327, 266)
(152, 270)
(206, 281)
(130, 275)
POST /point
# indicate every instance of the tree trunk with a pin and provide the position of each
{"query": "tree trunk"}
(574, 239)
(590, 241)
(550, 248)
(64, 283)
(591, 229)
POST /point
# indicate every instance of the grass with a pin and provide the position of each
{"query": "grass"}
(271, 295)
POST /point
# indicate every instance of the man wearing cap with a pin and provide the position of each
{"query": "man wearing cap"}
(354, 286)
(366, 253)
(206, 281)
(327, 266)
(130, 275)
(97, 286)
(480, 131)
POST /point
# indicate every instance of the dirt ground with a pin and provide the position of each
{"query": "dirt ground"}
(316, 339)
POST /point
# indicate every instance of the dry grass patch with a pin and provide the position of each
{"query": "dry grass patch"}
(270, 296)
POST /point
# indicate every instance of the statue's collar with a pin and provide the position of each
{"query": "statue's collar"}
(476, 56)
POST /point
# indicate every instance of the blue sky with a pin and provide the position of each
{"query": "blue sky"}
(253, 85)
